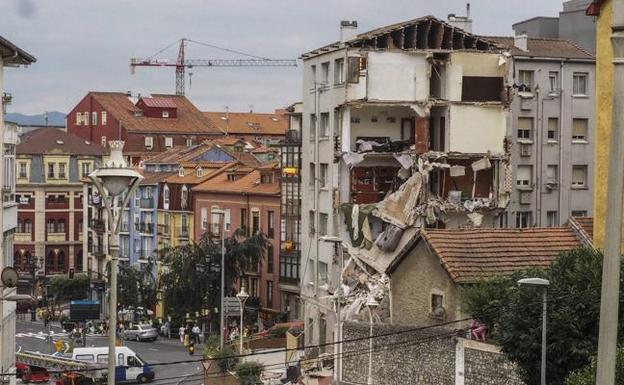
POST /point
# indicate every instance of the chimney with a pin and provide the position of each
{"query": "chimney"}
(348, 30)
(520, 41)
(461, 22)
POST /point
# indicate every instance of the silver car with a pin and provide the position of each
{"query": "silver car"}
(141, 333)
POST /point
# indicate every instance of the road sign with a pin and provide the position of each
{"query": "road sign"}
(231, 306)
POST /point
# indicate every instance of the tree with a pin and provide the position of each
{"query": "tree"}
(587, 375)
(514, 315)
(65, 289)
(137, 286)
(192, 280)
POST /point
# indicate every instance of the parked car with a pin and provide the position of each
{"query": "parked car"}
(32, 374)
(141, 333)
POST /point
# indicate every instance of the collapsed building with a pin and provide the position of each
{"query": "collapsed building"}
(404, 127)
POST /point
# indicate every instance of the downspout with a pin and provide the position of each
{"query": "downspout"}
(538, 171)
(560, 168)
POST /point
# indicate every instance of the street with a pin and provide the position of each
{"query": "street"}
(30, 336)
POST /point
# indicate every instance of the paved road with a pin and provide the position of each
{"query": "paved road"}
(30, 336)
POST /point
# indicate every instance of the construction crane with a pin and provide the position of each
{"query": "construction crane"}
(181, 63)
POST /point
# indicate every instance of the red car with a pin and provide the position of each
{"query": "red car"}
(33, 374)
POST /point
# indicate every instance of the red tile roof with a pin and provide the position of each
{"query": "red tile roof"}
(248, 123)
(471, 254)
(49, 140)
(189, 119)
(543, 47)
(584, 229)
(248, 183)
(159, 102)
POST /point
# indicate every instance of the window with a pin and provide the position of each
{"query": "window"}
(189, 142)
(149, 142)
(523, 219)
(103, 118)
(22, 170)
(553, 79)
(78, 118)
(103, 141)
(270, 258)
(322, 273)
(266, 178)
(322, 224)
(51, 225)
(525, 78)
(86, 118)
(323, 175)
(289, 267)
(579, 130)
(215, 220)
(524, 177)
(184, 220)
(437, 305)
(94, 117)
(312, 227)
(525, 128)
(165, 114)
(313, 74)
(579, 213)
(339, 71)
(184, 197)
(148, 192)
(312, 126)
(312, 174)
(324, 126)
(255, 222)
(51, 170)
(166, 195)
(244, 219)
(579, 176)
(204, 218)
(227, 218)
(168, 142)
(553, 129)
(552, 219)
(552, 174)
(579, 84)
(60, 226)
(325, 73)
(355, 66)
(86, 169)
(269, 294)
(27, 226)
(253, 287)
(199, 172)
(61, 170)
(270, 224)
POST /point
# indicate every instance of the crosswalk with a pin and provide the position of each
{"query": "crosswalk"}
(42, 335)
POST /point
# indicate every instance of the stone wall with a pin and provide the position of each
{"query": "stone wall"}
(433, 356)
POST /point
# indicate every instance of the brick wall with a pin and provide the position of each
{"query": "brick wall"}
(423, 357)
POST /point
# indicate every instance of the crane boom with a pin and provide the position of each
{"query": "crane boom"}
(181, 63)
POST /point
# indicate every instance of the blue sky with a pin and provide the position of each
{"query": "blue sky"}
(84, 45)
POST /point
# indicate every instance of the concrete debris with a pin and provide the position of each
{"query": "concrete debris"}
(405, 160)
(352, 159)
(475, 218)
(456, 171)
(481, 164)
(398, 207)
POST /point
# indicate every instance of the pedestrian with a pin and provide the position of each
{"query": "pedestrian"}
(196, 331)
(181, 332)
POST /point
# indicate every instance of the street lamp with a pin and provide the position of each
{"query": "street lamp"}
(112, 180)
(221, 214)
(337, 241)
(543, 284)
(242, 297)
(371, 304)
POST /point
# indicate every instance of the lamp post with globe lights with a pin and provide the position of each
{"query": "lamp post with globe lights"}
(111, 181)
(242, 297)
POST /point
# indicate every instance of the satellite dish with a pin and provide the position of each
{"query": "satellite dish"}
(9, 277)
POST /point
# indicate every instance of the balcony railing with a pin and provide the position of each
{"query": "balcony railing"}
(163, 229)
(56, 270)
(23, 237)
(147, 203)
(56, 237)
(145, 227)
(293, 137)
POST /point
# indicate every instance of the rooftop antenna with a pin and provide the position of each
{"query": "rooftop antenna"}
(227, 120)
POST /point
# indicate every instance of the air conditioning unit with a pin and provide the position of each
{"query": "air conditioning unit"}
(525, 150)
(552, 184)
(525, 197)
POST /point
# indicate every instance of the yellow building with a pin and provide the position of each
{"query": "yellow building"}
(604, 97)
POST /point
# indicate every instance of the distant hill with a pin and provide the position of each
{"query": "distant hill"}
(55, 118)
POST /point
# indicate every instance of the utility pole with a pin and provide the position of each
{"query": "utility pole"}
(609, 300)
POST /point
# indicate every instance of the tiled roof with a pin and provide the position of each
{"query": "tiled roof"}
(190, 176)
(543, 47)
(189, 119)
(55, 141)
(152, 178)
(470, 254)
(248, 123)
(159, 102)
(249, 184)
(181, 154)
(12, 54)
(584, 229)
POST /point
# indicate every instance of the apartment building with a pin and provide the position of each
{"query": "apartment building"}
(404, 126)
(552, 131)
(290, 209)
(49, 168)
(148, 125)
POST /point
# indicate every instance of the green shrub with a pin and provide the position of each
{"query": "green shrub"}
(278, 332)
(248, 373)
(587, 375)
(226, 358)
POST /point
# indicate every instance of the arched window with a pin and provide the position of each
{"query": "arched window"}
(60, 226)
(51, 225)
(184, 197)
(61, 260)
(166, 195)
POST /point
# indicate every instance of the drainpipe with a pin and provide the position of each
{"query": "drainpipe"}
(538, 171)
(610, 292)
(560, 167)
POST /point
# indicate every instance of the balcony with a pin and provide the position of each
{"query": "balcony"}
(182, 232)
(145, 227)
(147, 203)
(56, 237)
(22, 237)
(97, 225)
(125, 227)
(293, 137)
(56, 270)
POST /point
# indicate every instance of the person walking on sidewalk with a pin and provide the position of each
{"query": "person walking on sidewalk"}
(196, 331)
(181, 332)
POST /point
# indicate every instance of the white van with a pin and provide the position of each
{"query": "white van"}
(129, 367)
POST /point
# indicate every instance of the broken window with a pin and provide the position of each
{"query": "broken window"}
(579, 83)
(355, 66)
(525, 80)
(524, 177)
(525, 128)
(482, 89)
(553, 128)
(579, 176)
(552, 219)
(524, 219)
(370, 184)
(339, 71)
(579, 130)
